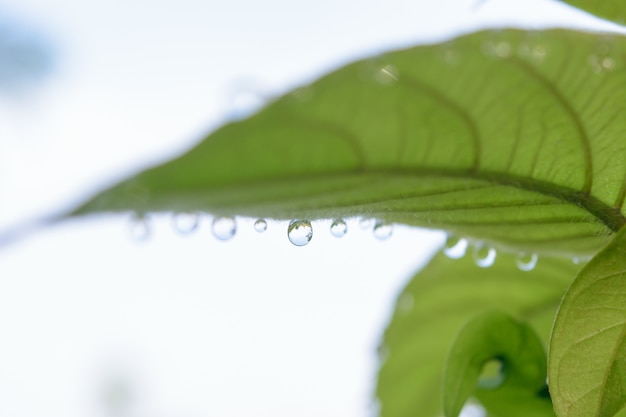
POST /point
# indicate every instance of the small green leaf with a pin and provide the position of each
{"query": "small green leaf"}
(510, 136)
(614, 10)
(520, 375)
(587, 362)
(436, 304)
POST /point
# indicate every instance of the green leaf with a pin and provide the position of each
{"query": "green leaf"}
(509, 136)
(517, 386)
(587, 362)
(614, 10)
(436, 304)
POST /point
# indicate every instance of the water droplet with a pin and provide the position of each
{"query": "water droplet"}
(186, 222)
(339, 228)
(245, 98)
(387, 75)
(581, 259)
(300, 232)
(538, 53)
(450, 54)
(493, 374)
(140, 229)
(473, 410)
(601, 59)
(224, 228)
(498, 49)
(303, 94)
(260, 225)
(383, 353)
(382, 230)
(405, 303)
(484, 255)
(455, 247)
(366, 223)
(526, 261)
(601, 64)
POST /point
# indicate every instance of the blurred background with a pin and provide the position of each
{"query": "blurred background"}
(96, 322)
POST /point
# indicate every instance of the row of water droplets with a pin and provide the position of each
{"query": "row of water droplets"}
(484, 255)
(299, 232)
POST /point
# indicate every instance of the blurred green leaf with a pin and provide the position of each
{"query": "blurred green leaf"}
(516, 388)
(614, 10)
(436, 304)
(510, 136)
(587, 363)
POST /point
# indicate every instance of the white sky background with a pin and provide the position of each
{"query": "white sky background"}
(190, 326)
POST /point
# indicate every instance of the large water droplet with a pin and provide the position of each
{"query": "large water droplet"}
(382, 230)
(526, 261)
(387, 75)
(484, 255)
(339, 228)
(139, 228)
(455, 247)
(300, 232)
(260, 225)
(493, 374)
(186, 222)
(224, 228)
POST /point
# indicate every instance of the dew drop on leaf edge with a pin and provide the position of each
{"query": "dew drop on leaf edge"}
(387, 75)
(260, 225)
(186, 222)
(338, 228)
(382, 230)
(366, 223)
(484, 255)
(455, 247)
(300, 232)
(140, 229)
(224, 228)
(526, 261)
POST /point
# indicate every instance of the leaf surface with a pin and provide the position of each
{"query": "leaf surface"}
(614, 10)
(587, 361)
(516, 387)
(436, 304)
(510, 136)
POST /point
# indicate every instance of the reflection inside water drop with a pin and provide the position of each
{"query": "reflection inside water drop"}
(526, 261)
(455, 247)
(224, 228)
(139, 228)
(186, 222)
(260, 225)
(339, 228)
(300, 232)
(382, 230)
(484, 255)
(493, 374)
